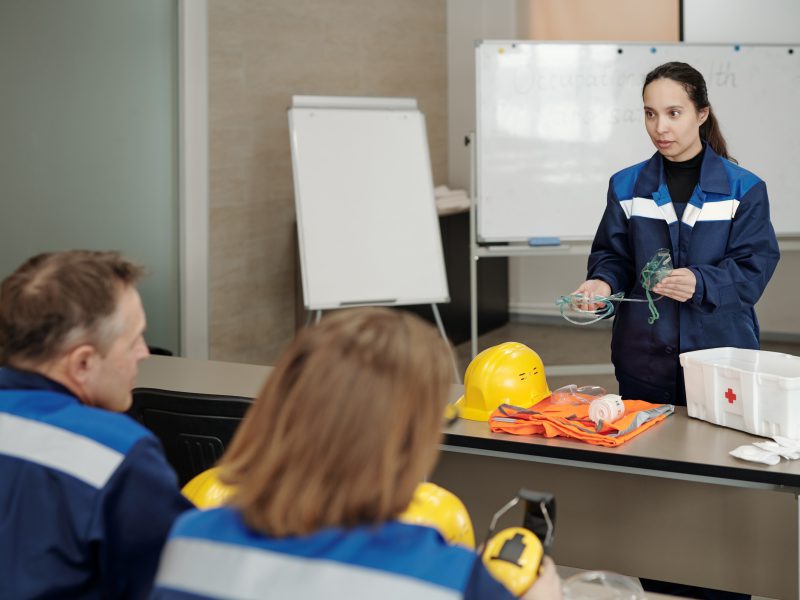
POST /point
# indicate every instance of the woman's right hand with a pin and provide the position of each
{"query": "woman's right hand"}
(548, 585)
(592, 288)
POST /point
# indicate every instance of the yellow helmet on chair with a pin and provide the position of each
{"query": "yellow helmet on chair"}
(509, 373)
(205, 489)
(436, 507)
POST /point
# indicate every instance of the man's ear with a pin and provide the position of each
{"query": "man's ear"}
(79, 366)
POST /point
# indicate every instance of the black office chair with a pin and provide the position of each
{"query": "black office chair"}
(194, 429)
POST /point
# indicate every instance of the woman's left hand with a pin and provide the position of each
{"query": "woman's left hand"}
(678, 285)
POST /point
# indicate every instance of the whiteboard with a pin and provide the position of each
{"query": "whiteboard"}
(556, 120)
(366, 217)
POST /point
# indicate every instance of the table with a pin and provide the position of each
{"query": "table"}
(670, 504)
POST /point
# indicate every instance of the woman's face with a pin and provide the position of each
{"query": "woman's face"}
(671, 120)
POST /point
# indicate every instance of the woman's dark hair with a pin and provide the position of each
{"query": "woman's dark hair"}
(692, 81)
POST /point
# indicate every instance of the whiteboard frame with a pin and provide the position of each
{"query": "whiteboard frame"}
(377, 104)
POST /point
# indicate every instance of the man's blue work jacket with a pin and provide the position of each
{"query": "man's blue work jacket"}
(87, 496)
(724, 236)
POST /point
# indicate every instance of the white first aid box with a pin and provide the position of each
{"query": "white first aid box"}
(752, 390)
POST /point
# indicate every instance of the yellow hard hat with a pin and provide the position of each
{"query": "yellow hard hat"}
(513, 557)
(509, 373)
(435, 507)
(205, 489)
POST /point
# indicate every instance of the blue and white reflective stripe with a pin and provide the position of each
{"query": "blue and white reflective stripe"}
(236, 572)
(648, 209)
(722, 210)
(50, 446)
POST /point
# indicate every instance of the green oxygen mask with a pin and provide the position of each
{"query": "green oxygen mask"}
(583, 310)
(656, 269)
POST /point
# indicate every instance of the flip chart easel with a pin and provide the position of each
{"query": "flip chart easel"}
(366, 217)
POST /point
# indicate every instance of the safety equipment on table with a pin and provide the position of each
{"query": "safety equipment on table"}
(573, 395)
(513, 556)
(206, 490)
(507, 373)
(769, 452)
(602, 584)
(436, 507)
(584, 310)
(608, 408)
(573, 422)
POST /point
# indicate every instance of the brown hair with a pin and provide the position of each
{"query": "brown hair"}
(345, 427)
(695, 85)
(57, 299)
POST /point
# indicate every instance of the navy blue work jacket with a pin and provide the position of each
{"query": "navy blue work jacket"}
(86, 496)
(724, 236)
(214, 554)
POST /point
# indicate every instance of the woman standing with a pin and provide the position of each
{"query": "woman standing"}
(712, 215)
(329, 455)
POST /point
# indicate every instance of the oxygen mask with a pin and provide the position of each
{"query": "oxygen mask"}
(584, 310)
(656, 269)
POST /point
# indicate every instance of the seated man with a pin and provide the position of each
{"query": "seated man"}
(86, 495)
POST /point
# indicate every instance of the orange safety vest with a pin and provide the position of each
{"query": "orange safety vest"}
(552, 420)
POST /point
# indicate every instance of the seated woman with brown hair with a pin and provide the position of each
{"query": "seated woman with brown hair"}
(346, 426)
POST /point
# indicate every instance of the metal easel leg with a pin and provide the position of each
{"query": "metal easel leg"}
(473, 255)
(440, 325)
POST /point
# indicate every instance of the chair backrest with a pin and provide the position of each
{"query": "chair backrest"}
(194, 429)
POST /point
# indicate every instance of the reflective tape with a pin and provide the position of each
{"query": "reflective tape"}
(50, 446)
(236, 572)
(648, 209)
(723, 210)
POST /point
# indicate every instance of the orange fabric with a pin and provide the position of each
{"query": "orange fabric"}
(553, 420)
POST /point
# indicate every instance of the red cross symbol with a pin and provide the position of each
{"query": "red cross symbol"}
(730, 396)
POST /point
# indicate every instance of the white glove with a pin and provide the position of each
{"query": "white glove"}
(776, 448)
(787, 442)
(754, 454)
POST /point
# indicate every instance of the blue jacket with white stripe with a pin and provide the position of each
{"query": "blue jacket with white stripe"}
(86, 496)
(214, 554)
(725, 237)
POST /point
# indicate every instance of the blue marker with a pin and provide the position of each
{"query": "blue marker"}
(544, 241)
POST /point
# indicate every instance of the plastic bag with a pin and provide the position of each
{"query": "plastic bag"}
(602, 585)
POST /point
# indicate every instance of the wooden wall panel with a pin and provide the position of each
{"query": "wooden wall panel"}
(260, 54)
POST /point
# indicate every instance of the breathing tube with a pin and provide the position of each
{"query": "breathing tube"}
(583, 310)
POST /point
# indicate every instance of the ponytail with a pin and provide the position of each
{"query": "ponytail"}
(711, 133)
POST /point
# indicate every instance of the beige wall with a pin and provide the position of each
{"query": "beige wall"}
(597, 20)
(260, 54)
